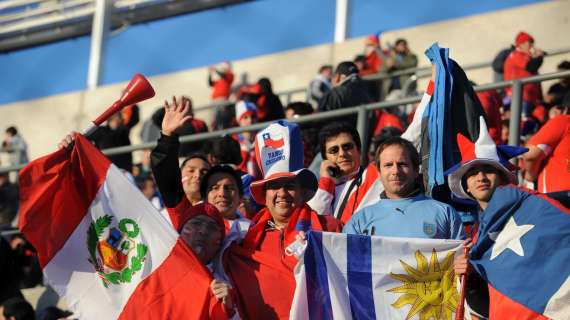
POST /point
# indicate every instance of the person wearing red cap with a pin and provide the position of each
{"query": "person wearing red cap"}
(374, 55)
(524, 62)
(261, 267)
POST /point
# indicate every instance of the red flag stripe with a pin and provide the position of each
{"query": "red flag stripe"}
(502, 307)
(176, 290)
(66, 184)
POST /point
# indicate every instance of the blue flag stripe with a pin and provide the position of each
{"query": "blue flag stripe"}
(359, 259)
(318, 296)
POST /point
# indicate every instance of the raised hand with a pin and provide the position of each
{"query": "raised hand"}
(176, 115)
(67, 142)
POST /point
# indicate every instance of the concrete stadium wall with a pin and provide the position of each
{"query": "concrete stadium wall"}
(470, 39)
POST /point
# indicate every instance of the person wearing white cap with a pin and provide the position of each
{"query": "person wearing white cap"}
(484, 166)
(246, 115)
(261, 267)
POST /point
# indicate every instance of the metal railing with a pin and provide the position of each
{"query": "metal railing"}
(420, 72)
(362, 112)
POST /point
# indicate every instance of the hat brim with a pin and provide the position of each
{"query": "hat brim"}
(456, 173)
(306, 179)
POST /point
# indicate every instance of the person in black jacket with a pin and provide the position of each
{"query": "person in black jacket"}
(349, 90)
(116, 134)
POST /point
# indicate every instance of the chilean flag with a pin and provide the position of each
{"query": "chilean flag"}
(103, 247)
(523, 252)
(269, 142)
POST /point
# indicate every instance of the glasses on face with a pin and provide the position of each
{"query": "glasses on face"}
(349, 146)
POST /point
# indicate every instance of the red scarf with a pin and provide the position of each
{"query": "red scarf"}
(261, 272)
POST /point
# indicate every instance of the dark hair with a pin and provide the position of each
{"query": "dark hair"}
(226, 150)
(196, 155)
(360, 58)
(566, 100)
(400, 40)
(346, 68)
(385, 133)
(300, 108)
(564, 65)
(53, 313)
(404, 144)
(334, 129)
(265, 85)
(220, 169)
(18, 308)
(505, 179)
(12, 130)
(325, 67)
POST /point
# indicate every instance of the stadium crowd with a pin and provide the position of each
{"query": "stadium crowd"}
(353, 186)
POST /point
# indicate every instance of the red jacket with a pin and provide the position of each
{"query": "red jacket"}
(260, 269)
(221, 89)
(516, 68)
(491, 102)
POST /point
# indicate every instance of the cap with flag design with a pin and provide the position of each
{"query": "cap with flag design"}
(483, 152)
(279, 154)
(243, 108)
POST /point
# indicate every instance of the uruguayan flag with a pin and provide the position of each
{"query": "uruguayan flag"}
(344, 276)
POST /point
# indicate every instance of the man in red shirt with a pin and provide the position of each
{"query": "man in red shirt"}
(524, 62)
(491, 103)
(548, 160)
(220, 79)
(373, 54)
(261, 267)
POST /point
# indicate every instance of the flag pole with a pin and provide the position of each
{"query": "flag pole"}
(460, 312)
(138, 89)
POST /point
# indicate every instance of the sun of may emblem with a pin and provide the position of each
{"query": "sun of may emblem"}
(110, 249)
(430, 289)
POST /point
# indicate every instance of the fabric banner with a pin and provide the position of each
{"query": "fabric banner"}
(102, 246)
(344, 276)
(523, 252)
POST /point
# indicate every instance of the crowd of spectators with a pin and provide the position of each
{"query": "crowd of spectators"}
(220, 171)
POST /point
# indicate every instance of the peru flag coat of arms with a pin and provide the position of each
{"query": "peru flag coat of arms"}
(103, 247)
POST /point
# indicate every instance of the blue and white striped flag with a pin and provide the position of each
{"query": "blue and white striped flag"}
(344, 276)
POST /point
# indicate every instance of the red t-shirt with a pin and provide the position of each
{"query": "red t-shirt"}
(491, 102)
(554, 140)
(515, 68)
(221, 89)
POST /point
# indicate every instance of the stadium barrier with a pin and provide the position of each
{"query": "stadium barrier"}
(362, 112)
(286, 96)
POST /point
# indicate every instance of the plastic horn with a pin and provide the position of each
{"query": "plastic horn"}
(460, 312)
(139, 89)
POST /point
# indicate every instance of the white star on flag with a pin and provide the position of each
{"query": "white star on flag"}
(509, 238)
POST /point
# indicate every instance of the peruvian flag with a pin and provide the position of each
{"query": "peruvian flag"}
(103, 247)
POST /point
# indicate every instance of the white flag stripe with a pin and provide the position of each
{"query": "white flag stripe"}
(557, 307)
(81, 285)
(337, 275)
(386, 254)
